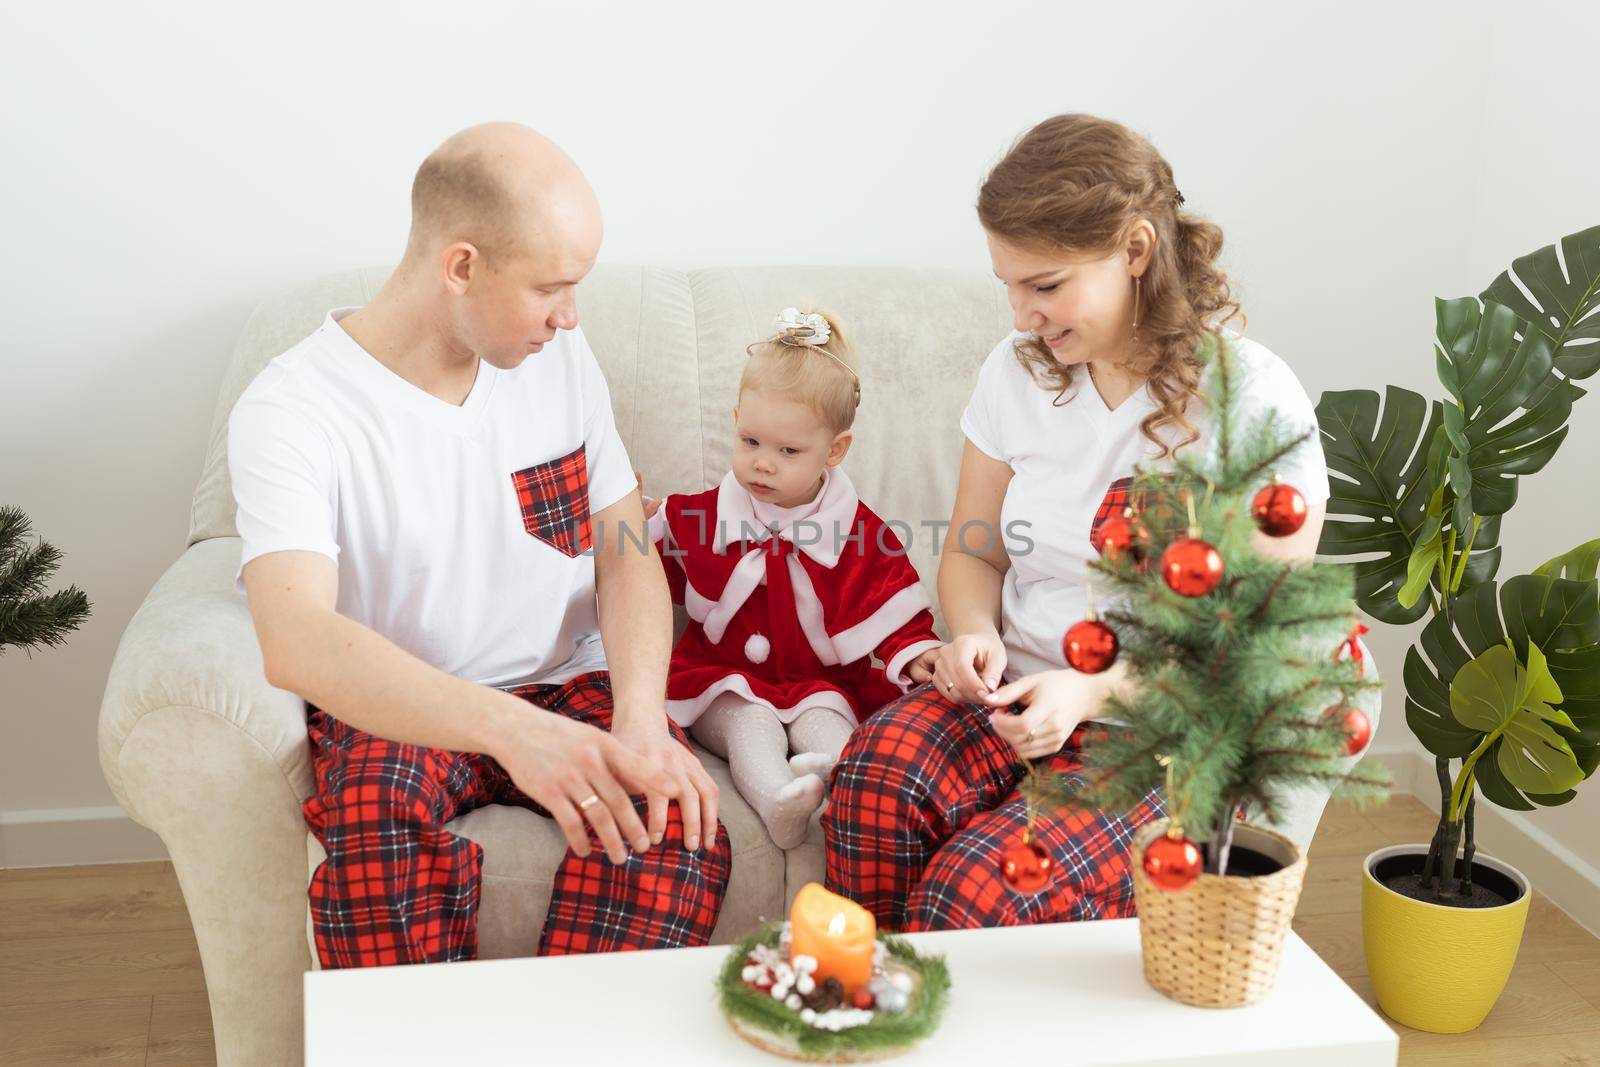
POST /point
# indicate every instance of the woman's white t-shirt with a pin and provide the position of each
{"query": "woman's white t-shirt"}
(461, 533)
(1067, 457)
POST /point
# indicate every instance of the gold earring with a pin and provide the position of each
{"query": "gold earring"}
(1135, 307)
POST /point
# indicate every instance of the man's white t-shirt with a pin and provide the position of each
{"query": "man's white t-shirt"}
(461, 533)
(1065, 458)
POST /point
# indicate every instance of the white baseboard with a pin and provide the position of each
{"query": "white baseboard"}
(1569, 881)
(69, 837)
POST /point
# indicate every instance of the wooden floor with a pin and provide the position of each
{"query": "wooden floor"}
(98, 965)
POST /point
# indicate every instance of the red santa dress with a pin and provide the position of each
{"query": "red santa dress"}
(788, 607)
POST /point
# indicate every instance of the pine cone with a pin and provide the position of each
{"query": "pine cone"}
(828, 995)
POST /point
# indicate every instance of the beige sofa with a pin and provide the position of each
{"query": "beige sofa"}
(198, 747)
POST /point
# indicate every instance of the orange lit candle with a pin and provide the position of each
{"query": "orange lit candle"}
(838, 933)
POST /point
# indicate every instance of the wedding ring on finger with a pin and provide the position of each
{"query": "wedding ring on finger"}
(592, 798)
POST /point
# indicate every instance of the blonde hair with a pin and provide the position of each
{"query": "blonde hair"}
(1078, 184)
(822, 377)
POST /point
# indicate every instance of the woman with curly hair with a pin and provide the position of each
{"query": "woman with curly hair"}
(1114, 289)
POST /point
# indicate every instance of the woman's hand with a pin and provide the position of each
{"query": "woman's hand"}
(1054, 703)
(969, 667)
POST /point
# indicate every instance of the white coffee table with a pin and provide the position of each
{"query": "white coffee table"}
(1067, 994)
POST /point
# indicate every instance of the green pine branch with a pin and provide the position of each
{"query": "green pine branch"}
(30, 617)
(1231, 686)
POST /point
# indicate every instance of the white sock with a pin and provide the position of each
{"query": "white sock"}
(817, 763)
(753, 741)
(790, 813)
(817, 737)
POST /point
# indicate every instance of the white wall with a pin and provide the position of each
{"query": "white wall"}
(1539, 178)
(165, 167)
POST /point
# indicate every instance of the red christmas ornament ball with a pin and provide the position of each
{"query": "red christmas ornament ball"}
(1124, 537)
(1191, 566)
(1357, 727)
(863, 999)
(1090, 646)
(1279, 510)
(1172, 862)
(1026, 866)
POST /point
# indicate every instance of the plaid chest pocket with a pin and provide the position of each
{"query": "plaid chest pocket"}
(1155, 516)
(1118, 496)
(554, 500)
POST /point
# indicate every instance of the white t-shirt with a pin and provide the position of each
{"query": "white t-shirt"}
(1066, 457)
(462, 534)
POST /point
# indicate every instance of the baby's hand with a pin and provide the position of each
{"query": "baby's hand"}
(650, 506)
(920, 670)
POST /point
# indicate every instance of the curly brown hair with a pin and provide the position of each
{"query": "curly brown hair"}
(1077, 184)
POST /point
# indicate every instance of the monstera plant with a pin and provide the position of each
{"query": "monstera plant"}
(1505, 689)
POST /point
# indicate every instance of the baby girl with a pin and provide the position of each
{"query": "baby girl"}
(792, 584)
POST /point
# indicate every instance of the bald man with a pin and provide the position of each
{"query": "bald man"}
(432, 494)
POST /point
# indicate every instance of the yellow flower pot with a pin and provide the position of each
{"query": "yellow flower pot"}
(1438, 968)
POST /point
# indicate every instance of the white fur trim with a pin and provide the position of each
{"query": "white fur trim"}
(866, 635)
(808, 610)
(695, 603)
(742, 517)
(895, 668)
(737, 513)
(685, 712)
(757, 648)
(747, 575)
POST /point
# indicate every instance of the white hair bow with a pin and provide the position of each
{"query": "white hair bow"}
(797, 329)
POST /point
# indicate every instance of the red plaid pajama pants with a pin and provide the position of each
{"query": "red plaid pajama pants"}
(398, 887)
(924, 800)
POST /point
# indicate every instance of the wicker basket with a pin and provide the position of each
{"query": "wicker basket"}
(1217, 943)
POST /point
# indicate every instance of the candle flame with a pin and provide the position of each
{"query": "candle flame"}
(836, 924)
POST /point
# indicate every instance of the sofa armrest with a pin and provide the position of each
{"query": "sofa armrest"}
(199, 748)
(191, 644)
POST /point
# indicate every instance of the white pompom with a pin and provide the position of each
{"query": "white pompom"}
(757, 649)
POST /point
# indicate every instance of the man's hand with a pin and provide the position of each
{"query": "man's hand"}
(1054, 703)
(649, 738)
(969, 667)
(580, 773)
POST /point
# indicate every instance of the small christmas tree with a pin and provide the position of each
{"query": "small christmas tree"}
(1241, 678)
(29, 617)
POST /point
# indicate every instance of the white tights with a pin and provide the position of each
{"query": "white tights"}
(785, 791)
